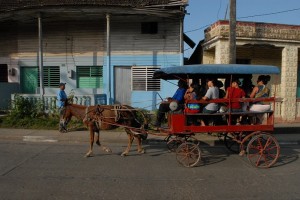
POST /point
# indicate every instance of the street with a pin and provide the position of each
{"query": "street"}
(51, 170)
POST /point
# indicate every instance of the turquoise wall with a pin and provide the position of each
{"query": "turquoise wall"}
(144, 99)
(141, 99)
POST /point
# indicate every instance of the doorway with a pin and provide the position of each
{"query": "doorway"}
(122, 85)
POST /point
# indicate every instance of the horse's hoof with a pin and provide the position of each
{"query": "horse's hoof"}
(63, 131)
(124, 154)
(88, 155)
(107, 150)
(142, 151)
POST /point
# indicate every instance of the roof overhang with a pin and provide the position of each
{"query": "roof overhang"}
(72, 9)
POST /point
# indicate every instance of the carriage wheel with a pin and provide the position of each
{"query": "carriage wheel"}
(188, 154)
(193, 140)
(230, 143)
(263, 150)
(173, 143)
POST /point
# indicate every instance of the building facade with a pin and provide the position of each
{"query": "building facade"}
(106, 49)
(261, 43)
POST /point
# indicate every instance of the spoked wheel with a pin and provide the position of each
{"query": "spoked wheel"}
(174, 142)
(263, 150)
(188, 154)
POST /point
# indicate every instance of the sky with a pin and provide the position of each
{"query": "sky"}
(203, 13)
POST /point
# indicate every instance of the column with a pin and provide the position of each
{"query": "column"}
(109, 70)
(289, 82)
(40, 58)
(222, 52)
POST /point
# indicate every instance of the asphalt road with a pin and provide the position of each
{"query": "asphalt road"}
(58, 170)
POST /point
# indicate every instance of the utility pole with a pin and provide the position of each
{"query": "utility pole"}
(232, 32)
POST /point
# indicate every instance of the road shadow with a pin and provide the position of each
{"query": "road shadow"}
(286, 130)
(287, 155)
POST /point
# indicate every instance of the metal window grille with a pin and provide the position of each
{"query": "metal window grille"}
(89, 77)
(142, 79)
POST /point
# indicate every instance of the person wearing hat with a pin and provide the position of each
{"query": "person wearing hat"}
(60, 103)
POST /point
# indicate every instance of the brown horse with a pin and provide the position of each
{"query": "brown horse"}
(106, 117)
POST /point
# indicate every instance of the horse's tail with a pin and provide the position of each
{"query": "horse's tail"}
(145, 124)
(141, 121)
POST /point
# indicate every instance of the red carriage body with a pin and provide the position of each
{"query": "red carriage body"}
(254, 140)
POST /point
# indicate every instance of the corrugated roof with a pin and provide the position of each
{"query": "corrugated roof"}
(11, 5)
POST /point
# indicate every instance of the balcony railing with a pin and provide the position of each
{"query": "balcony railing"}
(49, 101)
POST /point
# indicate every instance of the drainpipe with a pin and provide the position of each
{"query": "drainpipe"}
(42, 91)
(181, 42)
(108, 59)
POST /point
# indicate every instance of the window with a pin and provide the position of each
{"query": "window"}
(51, 76)
(3, 73)
(149, 27)
(142, 79)
(89, 77)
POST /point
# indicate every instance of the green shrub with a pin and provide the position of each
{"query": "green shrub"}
(29, 114)
(22, 107)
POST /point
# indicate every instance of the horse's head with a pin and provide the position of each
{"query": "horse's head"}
(65, 117)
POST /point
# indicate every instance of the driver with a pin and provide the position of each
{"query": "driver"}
(165, 105)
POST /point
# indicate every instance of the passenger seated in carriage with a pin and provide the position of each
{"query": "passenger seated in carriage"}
(192, 93)
(235, 92)
(260, 91)
(212, 93)
(165, 105)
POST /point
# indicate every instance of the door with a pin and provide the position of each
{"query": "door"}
(3, 73)
(123, 85)
(29, 80)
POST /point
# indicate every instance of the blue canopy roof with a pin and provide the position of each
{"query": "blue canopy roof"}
(214, 69)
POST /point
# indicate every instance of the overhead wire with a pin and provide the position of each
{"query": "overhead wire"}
(250, 16)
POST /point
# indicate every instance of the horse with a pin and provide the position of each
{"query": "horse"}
(106, 117)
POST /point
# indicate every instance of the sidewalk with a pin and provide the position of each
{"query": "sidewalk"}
(285, 133)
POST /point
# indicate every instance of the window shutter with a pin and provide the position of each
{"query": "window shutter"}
(89, 76)
(51, 76)
(142, 79)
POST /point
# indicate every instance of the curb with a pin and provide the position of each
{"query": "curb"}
(287, 138)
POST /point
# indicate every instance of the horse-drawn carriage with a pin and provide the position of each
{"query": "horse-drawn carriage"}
(255, 140)
(250, 138)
